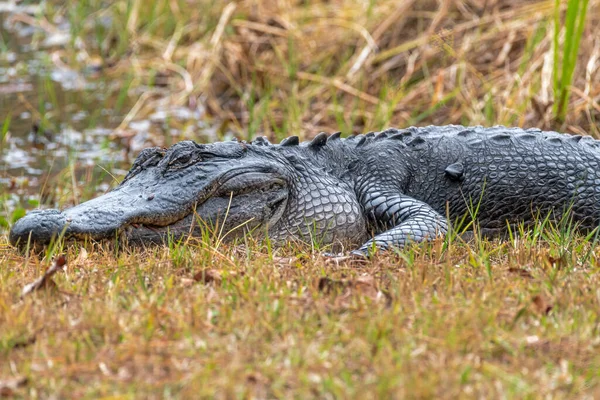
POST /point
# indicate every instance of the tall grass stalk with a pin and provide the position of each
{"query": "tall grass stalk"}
(564, 69)
(4, 132)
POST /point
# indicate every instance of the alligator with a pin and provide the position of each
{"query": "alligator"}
(379, 190)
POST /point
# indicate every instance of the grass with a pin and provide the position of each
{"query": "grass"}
(263, 68)
(194, 321)
(564, 66)
(515, 319)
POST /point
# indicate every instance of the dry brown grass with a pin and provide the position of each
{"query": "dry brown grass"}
(279, 68)
(498, 319)
(189, 323)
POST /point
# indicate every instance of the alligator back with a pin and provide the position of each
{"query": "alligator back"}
(504, 175)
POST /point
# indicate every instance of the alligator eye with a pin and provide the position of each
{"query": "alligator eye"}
(181, 160)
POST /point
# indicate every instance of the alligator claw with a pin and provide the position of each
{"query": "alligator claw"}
(327, 254)
(359, 255)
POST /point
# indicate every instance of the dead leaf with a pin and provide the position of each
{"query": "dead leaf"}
(257, 383)
(326, 285)
(9, 386)
(209, 276)
(82, 258)
(286, 261)
(364, 285)
(560, 261)
(350, 259)
(15, 88)
(541, 304)
(580, 352)
(45, 281)
(521, 272)
(255, 378)
(19, 344)
(212, 275)
(186, 282)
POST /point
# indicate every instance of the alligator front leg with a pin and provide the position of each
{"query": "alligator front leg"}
(399, 220)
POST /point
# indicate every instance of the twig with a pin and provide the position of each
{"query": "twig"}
(44, 281)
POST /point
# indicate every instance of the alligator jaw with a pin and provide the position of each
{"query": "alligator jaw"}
(136, 217)
(101, 218)
(42, 226)
(142, 234)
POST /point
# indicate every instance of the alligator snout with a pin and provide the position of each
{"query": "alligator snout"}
(38, 226)
(101, 218)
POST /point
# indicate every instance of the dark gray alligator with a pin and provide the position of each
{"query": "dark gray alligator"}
(376, 190)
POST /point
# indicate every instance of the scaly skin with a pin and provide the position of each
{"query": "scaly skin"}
(379, 190)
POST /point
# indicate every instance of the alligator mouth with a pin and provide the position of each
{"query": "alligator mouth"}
(141, 234)
(41, 227)
(134, 214)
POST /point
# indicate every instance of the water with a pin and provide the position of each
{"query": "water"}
(62, 145)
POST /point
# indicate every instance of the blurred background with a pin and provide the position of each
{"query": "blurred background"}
(85, 85)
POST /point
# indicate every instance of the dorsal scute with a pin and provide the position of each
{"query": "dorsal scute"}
(362, 139)
(318, 141)
(575, 138)
(534, 130)
(290, 141)
(466, 133)
(397, 136)
(417, 141)
(261, 141)
(334, 136)
(381, 135)
(501, 137)
(555, 140)
(392, 131)
(528, 137)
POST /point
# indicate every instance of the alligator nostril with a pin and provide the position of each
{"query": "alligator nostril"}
(150, 197)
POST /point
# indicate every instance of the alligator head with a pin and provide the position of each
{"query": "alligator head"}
(233, 185)
(163, 192)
